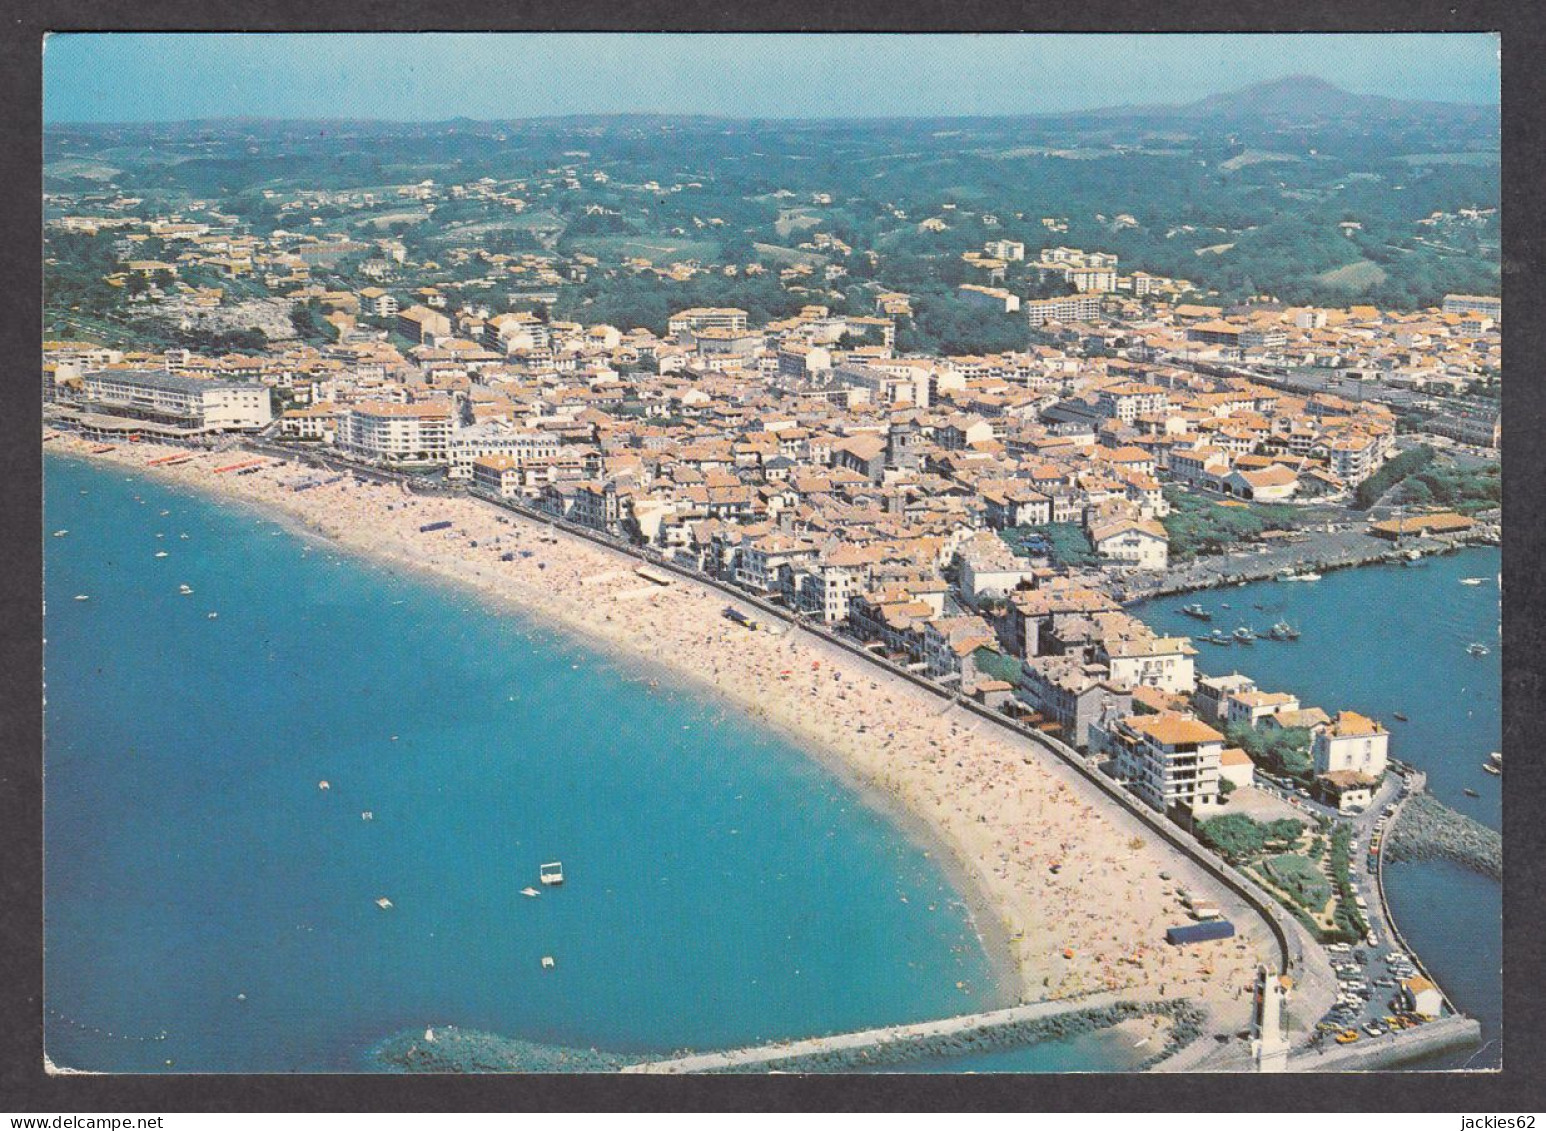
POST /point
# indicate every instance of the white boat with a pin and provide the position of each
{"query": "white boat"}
(551, 874)
(212, 616)
(384, 903)
(530, 892)
(1303, 577)
(1472, 580)
(185, 590)
(1478, 649)
(160, 553)
(83, 596)
(547, 962)
(60, 533)
(1496, 758)
(1491, 769)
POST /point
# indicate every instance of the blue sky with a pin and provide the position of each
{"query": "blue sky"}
(166, 77)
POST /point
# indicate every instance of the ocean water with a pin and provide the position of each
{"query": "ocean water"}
(210, 908)
(1383, 639)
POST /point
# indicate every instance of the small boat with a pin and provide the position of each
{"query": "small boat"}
(1399, 715)
(1496, 758)
(367, 815)
(1472, 580)
(83, 596)
(212, 616)
(1196, 610)
(1309, 576)
(551, 874)
(1477, 649)
(324, 784)
(1470, 793)
(1283, 631)
(530, 892)
(547, 962)
(60, 533)
(1215, 637)
(1244, 635)
(384, 903)
(1226, 605)
(185, 590)
(1491, 769)
(160, 553)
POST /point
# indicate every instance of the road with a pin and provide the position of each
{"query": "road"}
(1347, 543)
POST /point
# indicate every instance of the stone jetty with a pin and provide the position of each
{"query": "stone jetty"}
(1430, 830)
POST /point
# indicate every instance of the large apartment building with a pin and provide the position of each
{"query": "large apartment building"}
(1168, 759)
(706, 317)
(1491, 306)
(496, 438)
(1070, 308)
(397, 433)
(192, 403)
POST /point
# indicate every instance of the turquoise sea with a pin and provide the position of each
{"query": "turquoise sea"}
(721, 886)
(1383, 639)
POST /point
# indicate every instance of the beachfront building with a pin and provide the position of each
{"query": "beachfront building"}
(1073, 693)
(496, 437)
(1164, 662)
(190, 404)
(497, 475)
(397, 433)
(1351, 742)
(1170, 760)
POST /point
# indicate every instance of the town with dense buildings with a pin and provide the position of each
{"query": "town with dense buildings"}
(980, 519)
(960, 439)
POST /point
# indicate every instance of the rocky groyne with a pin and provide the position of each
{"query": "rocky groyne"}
(453, 1050)
(1186, 1025)
(1430, 830)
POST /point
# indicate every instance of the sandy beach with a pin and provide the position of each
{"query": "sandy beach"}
(1066, 889)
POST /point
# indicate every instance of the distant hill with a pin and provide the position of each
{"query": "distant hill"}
(1308, 100)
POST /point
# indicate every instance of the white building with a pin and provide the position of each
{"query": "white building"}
(1167, 759)
(493, 438)
(1164, 662)
(1138, 542)
(1073, 308)
(1351, 742)
(397, 433)
(190, 402)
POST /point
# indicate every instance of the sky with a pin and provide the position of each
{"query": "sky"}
(138, 77)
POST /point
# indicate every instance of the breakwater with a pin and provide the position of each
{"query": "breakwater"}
(454, 1050)
(1430, 830)
(1186, 1023)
